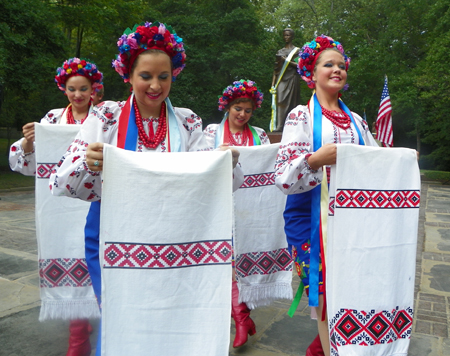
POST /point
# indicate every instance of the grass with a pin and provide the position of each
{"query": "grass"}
(439, 176)
(9, 179)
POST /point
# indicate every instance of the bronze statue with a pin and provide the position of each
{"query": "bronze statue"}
(285, 81)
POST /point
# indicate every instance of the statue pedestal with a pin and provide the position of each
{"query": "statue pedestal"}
(275, 137)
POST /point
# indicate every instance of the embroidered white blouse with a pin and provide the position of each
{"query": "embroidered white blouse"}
(25, 163)
(73, 177)
(292, 172)
(211, 131)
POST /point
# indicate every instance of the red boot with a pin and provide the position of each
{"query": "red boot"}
(315, 349)
(241, 315)
(79, 344)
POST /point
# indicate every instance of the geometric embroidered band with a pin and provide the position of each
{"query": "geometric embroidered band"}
(263, 263)
(392, 199)
(129, 255)
(258, 180)
(64, 272)
(367, 328)
(43, 170)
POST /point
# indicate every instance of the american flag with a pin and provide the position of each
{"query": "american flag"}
(383, 124)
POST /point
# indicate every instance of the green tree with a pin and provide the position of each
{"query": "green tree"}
(30, 48)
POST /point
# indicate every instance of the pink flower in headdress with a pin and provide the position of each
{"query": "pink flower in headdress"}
(340, 48)
(177, 71)
(76, 60)
(161, 29)
(132, 43)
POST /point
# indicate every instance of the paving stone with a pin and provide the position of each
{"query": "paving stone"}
(432, 256)
(432, 297)
(20, 336)
(421, 345)
(18, 239)
(421, 316)
(440, 330)
(440, 278)
(423, 327)
(10, 264)
(444, 245)
(15, 295)
(438, 204)
(291, 335)
(439, 307)
(424, 305)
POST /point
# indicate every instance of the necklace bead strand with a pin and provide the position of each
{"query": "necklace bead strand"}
(340, 119)
(152, 140)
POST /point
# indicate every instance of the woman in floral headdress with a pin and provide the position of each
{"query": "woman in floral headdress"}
(305, 151)
(151, 57)
(79, 79)
(239, 100)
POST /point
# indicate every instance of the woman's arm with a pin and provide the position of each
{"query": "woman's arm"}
(293, 173)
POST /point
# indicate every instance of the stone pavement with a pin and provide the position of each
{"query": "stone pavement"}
(22, 334)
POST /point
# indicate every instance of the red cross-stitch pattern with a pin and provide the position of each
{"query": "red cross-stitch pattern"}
(64, 272)
(124, 255)
(263, 263)
(43, 170)
(367, 328)
(258, 180)
(392, 199)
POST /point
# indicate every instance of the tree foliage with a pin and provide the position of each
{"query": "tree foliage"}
(406, 40)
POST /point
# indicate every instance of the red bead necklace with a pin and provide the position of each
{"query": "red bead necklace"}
(151, 140)
(233, 142)
(340, 119)
(71, 119)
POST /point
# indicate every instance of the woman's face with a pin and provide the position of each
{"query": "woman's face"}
(239, 114)
(330, 74)
(151, 80)
(79, 91)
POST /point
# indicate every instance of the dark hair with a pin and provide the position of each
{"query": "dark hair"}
(149, 51)
(241, 100)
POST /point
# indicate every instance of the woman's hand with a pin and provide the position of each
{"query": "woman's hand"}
(28, 133)
(235, 153)
(94, 156)
(324, 156)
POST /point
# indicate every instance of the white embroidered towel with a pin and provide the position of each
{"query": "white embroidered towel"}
(165, 247)
(263, 262)
(65, 285)
(371, 250)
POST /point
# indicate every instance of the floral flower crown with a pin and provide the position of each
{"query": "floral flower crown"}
(241, 89)
(81, 67)
(144, 37)
(309, 54)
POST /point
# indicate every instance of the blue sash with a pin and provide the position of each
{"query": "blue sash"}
(302, 213)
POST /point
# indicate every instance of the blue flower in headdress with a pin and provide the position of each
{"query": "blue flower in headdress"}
(124, 48)
(88, 66)
(176, 60)
(158, 37)
(304, 55)
(312, 44)
(178, 39)
(137, 36)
